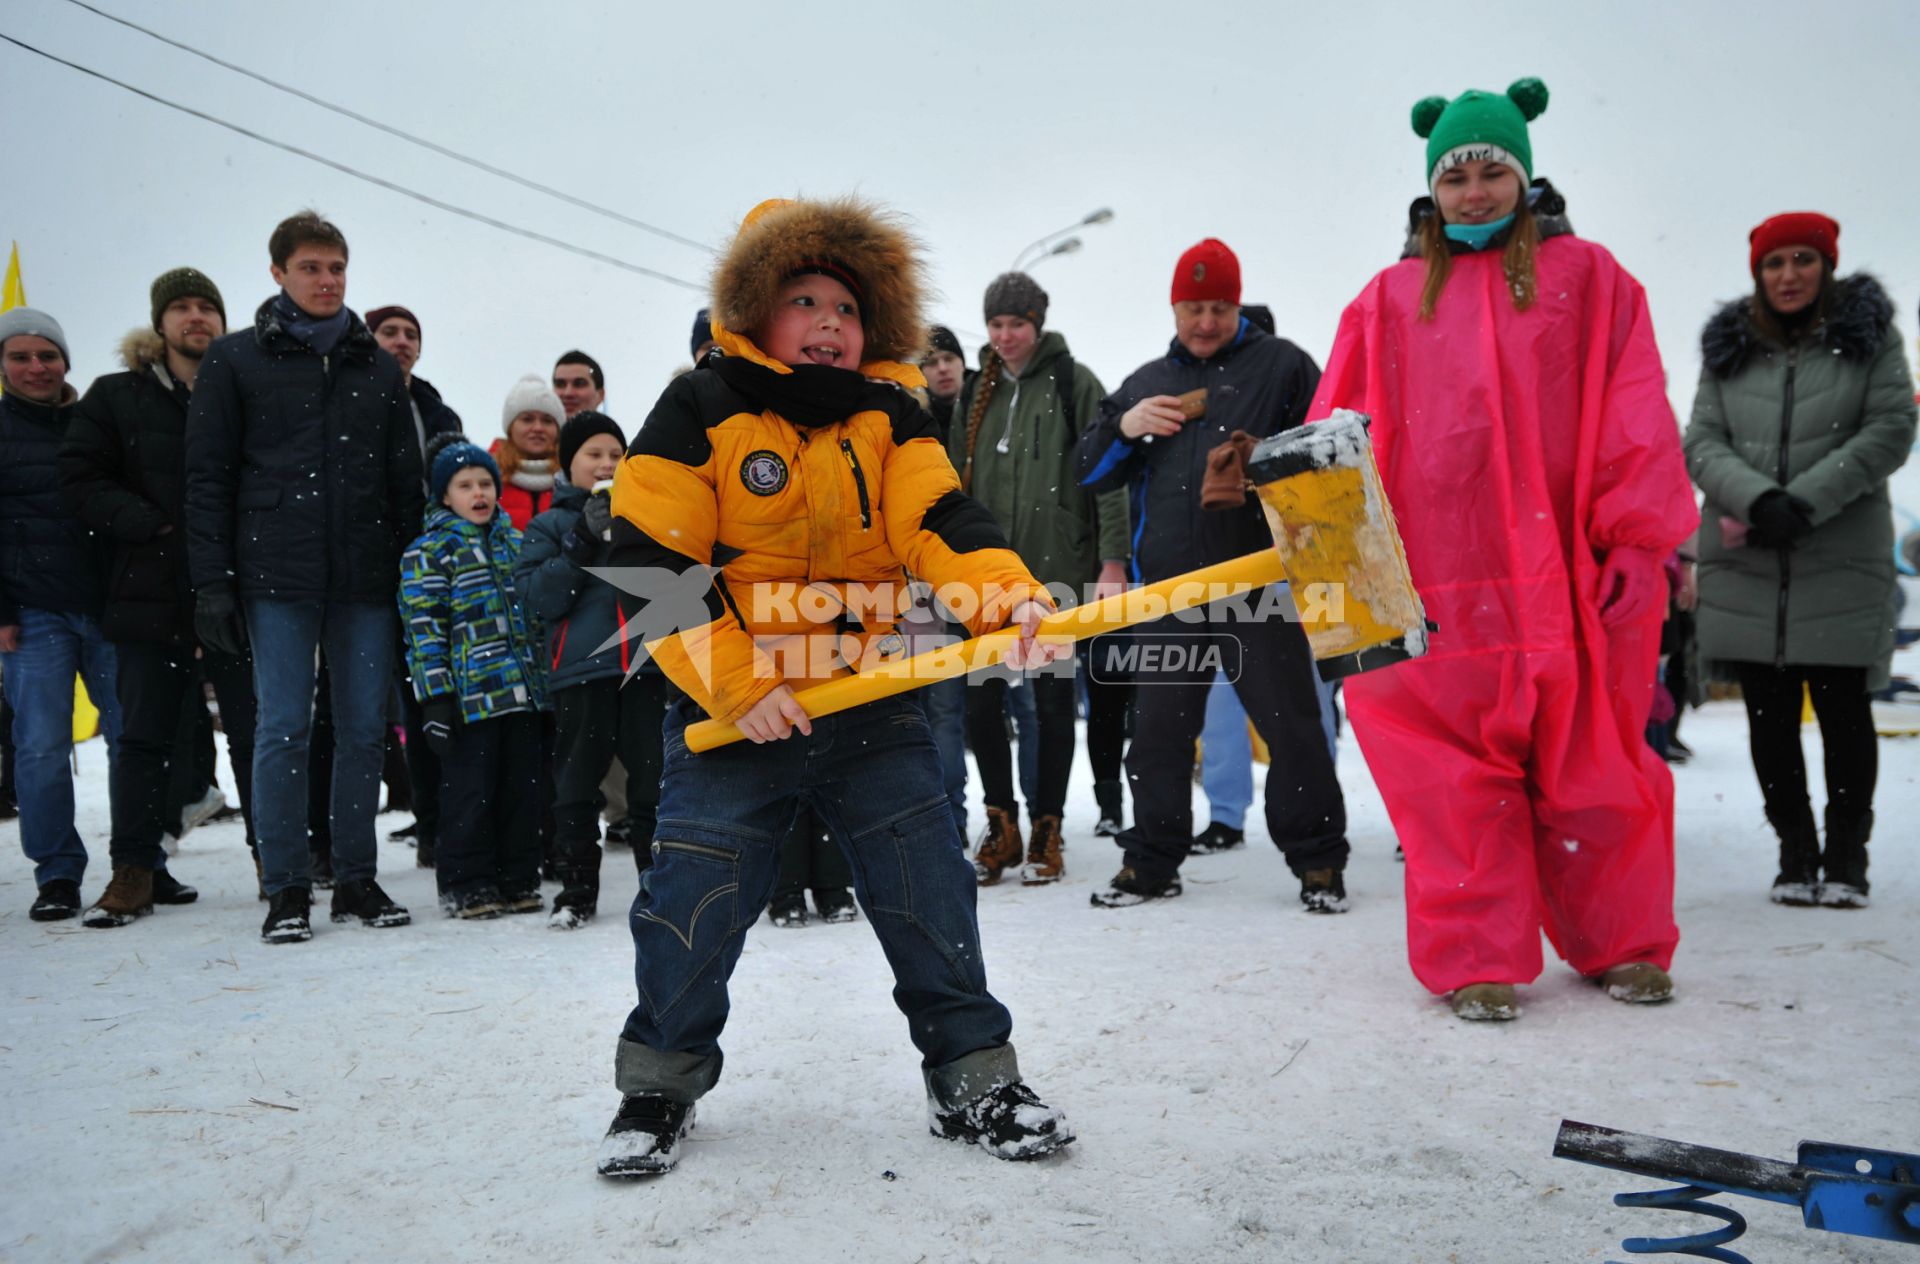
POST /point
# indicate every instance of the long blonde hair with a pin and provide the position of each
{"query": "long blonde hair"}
(1523, 243)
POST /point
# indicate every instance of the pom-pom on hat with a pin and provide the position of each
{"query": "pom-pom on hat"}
(453, 458)
(1208, 272)
(531, 394)
(581, 427)
(183, 283)
(1485, 125)
(1017, 294)
(1794, 228)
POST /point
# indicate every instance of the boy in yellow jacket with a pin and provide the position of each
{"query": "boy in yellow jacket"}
(798, 463)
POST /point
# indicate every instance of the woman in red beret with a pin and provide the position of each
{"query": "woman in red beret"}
(1805, 408)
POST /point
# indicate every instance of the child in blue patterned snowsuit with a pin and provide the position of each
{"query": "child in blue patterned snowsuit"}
(476, 670)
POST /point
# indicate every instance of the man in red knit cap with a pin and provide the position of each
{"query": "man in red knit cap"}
(1221, 374)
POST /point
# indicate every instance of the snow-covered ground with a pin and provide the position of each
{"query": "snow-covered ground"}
(1248, 1082)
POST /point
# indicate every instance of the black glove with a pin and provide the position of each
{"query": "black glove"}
(442, 718)
(1777, 520)
(578, 547)
(217, 621)
(597, 518)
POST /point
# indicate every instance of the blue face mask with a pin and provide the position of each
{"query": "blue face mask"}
(1476, 236)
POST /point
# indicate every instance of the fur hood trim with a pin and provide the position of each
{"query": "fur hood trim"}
(779, 236)
(140, 349)
(1856, 326)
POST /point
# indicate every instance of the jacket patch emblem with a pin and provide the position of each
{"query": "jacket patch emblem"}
(763, 472)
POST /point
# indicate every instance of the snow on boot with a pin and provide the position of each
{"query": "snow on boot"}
(788, 910)
(1485, 1003)
(1008, 1122)
(129, 895)
(57, 901)
(999, 847)
(835, 905)
(1130, 887)
(1044, 862)
(1846, 862)
(1112, 813)
(1798, 882)
(1637, 983)
(1218, 837)
(168, 889)
(287, 917)
(643, 1138)
(574, 907)
(363, 899)
(1324, 891)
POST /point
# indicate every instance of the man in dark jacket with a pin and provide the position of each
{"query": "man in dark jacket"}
(1146, 441)
(50, 599)
(397, 330)
(123, 472)
(303, 489)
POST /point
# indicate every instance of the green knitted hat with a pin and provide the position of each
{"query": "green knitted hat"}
(1482, 125)
(184, 283)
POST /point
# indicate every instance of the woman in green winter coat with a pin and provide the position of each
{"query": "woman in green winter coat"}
(1012, 440)
(1805, 408)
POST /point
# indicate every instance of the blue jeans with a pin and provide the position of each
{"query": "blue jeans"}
(54, 646)
(358, 641)
(872, 777)
(946, 706)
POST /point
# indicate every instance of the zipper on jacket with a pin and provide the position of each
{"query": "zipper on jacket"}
(859, 485)
(1786, 553)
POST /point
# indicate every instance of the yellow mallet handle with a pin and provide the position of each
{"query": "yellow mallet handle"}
(1122, 610)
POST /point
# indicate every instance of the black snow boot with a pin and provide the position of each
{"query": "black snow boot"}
(1324, 891)
(1009, 1122)
(1846, 862)
(57, 901)
(835, 904)
(362, 898)
(789, 909)
(1218, 837)
(168, 889)
(643, 1138)
(1112, 809)
(1130, 887)
(1798, 882)
(287, 917)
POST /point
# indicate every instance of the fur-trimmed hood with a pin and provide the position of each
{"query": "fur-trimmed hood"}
(141, 349)
(779, 236)
(1855, 326)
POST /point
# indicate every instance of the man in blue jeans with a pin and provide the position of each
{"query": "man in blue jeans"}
(51, 593)
(303, 489)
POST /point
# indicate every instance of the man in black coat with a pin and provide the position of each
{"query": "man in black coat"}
(123, 472)
(50, 600)
(1147, 441)
(303, 489)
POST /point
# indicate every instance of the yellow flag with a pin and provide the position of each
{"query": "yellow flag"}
(14, 294)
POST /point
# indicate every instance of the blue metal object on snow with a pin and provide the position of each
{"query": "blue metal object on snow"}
(1839, 1188)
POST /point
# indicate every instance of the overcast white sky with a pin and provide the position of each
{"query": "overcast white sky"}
(1281, 129)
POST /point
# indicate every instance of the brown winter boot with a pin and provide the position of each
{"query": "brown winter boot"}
(129, 894)
(999, 847)
(1044, 862)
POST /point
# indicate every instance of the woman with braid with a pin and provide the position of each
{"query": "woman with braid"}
(1013, 444)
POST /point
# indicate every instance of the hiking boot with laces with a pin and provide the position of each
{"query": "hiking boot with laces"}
(1485, 1003)
(129, 895)
(288, 913)
(363, 898)
(1130, 887)
(1324, 891)
(1009, 1122)
(1044, 862)
(999, 847)
(643, 1138)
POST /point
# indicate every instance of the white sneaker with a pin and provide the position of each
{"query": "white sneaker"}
(195, 814)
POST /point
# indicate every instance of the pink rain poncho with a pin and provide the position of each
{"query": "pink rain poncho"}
(1517, 448)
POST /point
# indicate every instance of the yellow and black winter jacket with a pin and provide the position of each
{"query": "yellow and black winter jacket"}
(842, 508)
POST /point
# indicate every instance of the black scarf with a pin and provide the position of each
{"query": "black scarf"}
(321, 333)
(811, 395)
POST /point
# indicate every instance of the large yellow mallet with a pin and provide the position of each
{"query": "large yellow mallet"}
(1334, 539)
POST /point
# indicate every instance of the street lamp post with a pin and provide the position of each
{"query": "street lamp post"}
(1045, 246)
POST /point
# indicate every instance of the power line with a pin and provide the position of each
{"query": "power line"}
(409, 137)
(341, 167)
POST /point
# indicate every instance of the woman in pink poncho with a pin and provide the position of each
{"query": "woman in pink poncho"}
(1521, 423)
